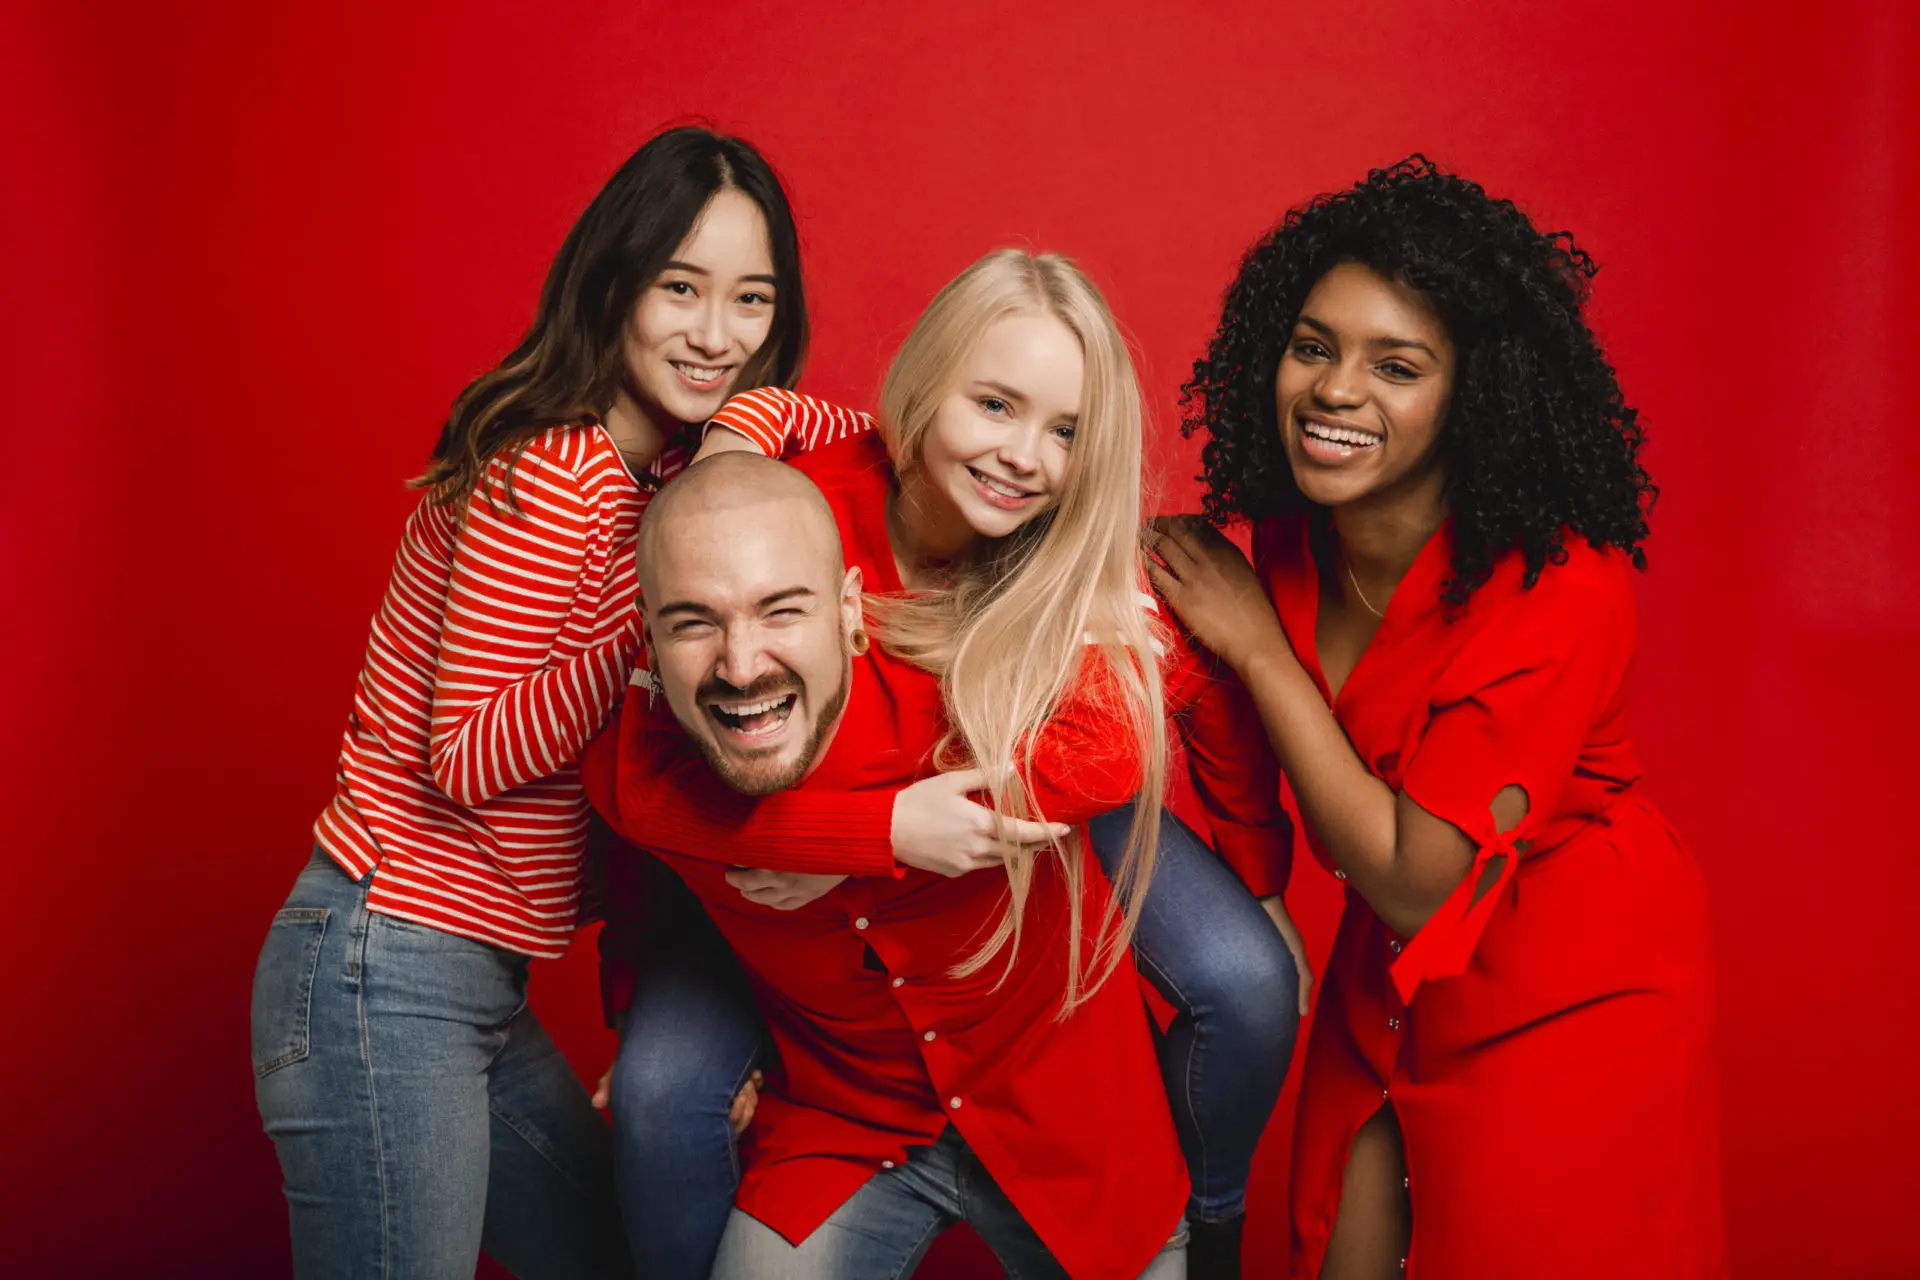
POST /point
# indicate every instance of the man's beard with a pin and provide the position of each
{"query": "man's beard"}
(762, 778)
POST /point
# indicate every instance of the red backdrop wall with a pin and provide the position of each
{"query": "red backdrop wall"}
(250, 252)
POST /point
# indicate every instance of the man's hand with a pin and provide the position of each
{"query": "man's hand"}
(745, 1103)
(739, 1114)
(781, 890)
(603, 1092)
(937, 827)
(1276, 909)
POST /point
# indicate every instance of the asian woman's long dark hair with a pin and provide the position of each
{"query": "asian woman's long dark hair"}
(570, 363)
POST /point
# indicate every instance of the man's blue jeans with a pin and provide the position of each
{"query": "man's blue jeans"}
(883, 1231)
(420, 1111)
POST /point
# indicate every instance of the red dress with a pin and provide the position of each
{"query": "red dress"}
(1545, 1050)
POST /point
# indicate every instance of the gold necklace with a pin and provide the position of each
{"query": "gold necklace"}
(1348, 564)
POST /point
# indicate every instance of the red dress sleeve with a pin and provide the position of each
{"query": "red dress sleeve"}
(1084, 761)
(687, 809)
(668, 797)
(1078, 767)
(1235, 774)
(1515, 709)
(781, 422)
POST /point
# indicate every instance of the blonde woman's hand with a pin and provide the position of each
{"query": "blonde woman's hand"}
(939, 827)
(1213, 589)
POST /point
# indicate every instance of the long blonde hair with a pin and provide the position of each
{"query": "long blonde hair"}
(1008, 636)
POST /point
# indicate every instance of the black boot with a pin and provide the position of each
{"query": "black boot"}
(1213, 1249)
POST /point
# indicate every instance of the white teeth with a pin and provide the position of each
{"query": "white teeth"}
(1339, 435)
(755, 708)
(699, 373)
(1000, 487)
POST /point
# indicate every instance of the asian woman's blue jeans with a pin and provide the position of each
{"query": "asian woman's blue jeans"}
(419, 1110)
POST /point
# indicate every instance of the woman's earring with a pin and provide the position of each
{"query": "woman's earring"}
(858, 641)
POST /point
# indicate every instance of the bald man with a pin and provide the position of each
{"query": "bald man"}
(750, 616)
(908, 1097)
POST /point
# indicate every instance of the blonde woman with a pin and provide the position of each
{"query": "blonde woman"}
(994, 517)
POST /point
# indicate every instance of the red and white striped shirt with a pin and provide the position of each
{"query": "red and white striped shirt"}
(780, 422)
(505, 641)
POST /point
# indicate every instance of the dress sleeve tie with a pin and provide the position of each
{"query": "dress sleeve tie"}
(1446, 941)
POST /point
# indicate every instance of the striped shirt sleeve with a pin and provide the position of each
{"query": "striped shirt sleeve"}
(781, 422)
(505, 711)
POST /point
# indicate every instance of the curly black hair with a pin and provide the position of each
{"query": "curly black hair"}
(1537, 439)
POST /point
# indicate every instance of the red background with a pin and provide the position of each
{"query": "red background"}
(248, 253)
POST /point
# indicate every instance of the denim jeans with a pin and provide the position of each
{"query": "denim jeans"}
(1211, 952)
(420, 1112)
(693, 1035)
(883, 1231)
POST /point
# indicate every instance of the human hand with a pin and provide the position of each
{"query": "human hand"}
(603, 1091)
(781, 890)
(939, 827)
(739, 1114)
(1276, 909)
(723, 440)
(745, 1103)
(1212, 587)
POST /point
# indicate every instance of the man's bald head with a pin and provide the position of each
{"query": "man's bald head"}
(750, 612)
(743, 487)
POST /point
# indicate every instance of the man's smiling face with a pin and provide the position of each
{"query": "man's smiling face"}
(748, 614)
